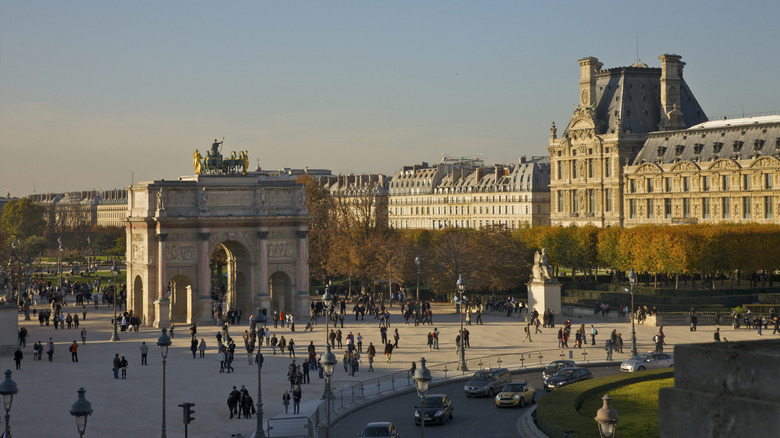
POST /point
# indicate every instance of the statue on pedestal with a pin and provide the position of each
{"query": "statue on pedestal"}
(541, 268)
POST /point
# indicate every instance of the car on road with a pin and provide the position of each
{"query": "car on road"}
(487, 382)
(648, 361)
(438, 408)
(380, 429)
(516, 394)
(556, 365)
(566, 376)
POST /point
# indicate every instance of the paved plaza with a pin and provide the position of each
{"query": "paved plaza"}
(133, 406)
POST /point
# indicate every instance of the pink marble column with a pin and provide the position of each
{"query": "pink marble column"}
(303, 261)
(161, 283)
(205, 274)
(262, 261)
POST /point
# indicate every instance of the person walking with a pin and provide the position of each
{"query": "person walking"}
(396, 337)
(388, 351)
(291, 347)
(593, 333)
(286, 400)
(371, 351)
(297, 393)
(435, 338)
(202, 347)
(221, 359)
(194, 347)
(144, 352)
(123, 364)
(83, 336)
(229, 361)
(716, 336)
(117, 365)
(359, 343)
(608, 347)
(18, 356)
(50, 350)
(74, 351)
(527, 330)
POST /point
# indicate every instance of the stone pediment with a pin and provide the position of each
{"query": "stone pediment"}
(683, 166)
(649, 168)
(724, 164)
(765, 162)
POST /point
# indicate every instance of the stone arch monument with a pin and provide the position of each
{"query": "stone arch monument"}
(175, 227)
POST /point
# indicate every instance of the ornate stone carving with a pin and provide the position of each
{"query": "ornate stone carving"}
(138, 252)
(230, 199)
(181, 237)
(137, 237)
(180, 252)
(278, 197)
(541, 268)
(262, 235)
(281, 249)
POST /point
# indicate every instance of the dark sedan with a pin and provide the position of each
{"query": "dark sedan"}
(566, 376)
(438, 408)
(556, 366)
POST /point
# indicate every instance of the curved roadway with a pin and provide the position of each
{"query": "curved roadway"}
(472, 417)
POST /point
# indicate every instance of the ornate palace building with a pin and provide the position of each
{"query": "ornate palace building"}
(618, 108)
(365, 195)
(463, 192)
(720, 171)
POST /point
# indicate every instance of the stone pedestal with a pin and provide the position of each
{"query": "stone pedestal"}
(543, 295)
(9, 329)
(162, 313)
(724, 390)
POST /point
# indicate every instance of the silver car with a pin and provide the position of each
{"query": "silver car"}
(647, 361)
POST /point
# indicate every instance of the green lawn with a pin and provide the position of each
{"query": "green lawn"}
(636, 405)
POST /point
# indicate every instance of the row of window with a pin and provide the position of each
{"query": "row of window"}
(589, 200)
(450, 210)
(587, 170)
(457, 199)
(725, 183)
(704, 203)
(439, 224)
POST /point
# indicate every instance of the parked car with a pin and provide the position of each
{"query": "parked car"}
(380, 429)
(647, 361)
(556, 365)
(487, 382)
(566, 376)
(438, 408)
(516, 394)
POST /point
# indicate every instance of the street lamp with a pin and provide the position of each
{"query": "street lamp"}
(81, 409)
(259, 433)
(7, 391)
(115, 272)
(422, 379)
(59, 243)
(164, 341)
(632, 282)
(461, 288)
(607, 419)
(417, 261)
(327, 362)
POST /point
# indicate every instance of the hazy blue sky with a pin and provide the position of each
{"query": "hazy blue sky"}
(92, 92)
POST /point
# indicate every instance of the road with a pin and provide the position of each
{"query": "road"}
(472, 417)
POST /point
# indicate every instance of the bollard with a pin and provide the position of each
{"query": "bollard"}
(522, 361)
(541, 356)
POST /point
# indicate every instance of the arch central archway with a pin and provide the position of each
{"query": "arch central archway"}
(280, 287)
(230, 268)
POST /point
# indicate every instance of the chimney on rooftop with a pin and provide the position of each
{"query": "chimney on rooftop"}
(671, 80)
(588, 68)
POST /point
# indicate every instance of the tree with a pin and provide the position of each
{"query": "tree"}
(22, 219)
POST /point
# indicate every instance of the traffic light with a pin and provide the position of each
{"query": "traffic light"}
(188, 411)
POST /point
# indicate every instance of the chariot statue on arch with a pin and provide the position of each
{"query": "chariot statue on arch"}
(215, 164)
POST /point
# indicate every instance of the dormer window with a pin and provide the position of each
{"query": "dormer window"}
(716, 147)
(678, 150)
(661, 151)
(737, 145)
(758, 144)
(697, 147)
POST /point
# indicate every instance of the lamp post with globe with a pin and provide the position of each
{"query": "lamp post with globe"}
(461, 288)
(327, 362)
(81, 409)
(422, 379)
(258, 319)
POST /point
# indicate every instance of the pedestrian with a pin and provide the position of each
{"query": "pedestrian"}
(527, 330)
(229, 361)
(435, 338)
(593, 333)
(716, 336)
(430, 341)
(117, 365)
(202, 347)
(83, 336)
(297, 393)
(608, 347)
(536, 325)
(221, 359)
(291, 347)
(388, 351)
(37, 351)
(194, 347)
(285, 397)
(371, 353)
(144, 352)
(123, 363)
(50, 350)
(396, 336)
(359, 343)
(23, 337)
(74, 351)
(18, 356)
(233, 398)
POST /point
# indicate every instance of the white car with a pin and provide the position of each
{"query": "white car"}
(647, 361)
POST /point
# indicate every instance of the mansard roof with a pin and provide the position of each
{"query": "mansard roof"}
(736, 139)
(628, 99)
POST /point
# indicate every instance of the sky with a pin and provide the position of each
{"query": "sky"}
(102, 94)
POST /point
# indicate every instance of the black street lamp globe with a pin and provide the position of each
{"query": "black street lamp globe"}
(422, 379)
(8, 390)
(81, 409)
(607, 419)
(164, 341)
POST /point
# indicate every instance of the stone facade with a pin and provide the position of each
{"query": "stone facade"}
(617, 110)
(174, 228)
(722, 171)
(463, 192)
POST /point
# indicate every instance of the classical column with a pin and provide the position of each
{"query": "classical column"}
(303, 272)
(162, 306)
(263, 298)
(204, 282)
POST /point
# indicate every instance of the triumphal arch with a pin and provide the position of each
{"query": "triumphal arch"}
(223, 236)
